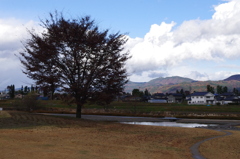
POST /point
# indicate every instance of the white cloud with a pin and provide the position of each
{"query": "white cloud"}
(12, 32)
(165, 48)
(198, 75)
(226, 10)
(221, 75)
(156, 74)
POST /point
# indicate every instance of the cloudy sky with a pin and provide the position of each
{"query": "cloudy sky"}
(198, 39)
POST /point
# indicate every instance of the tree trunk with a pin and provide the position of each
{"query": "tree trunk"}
(79, 111)
(52, 93)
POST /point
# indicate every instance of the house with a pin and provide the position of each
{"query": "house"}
(4, 95)
(175, 98)
(188, 97)
(157, 101)
(19, 96)
(219, 100)
(231, 100)
(227, 98)
(158, 98)
(202, 98)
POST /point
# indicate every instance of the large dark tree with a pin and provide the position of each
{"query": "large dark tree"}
(77, 56)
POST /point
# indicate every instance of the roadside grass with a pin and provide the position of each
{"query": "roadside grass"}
(39, 136)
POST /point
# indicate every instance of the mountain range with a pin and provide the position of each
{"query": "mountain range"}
(172, 84)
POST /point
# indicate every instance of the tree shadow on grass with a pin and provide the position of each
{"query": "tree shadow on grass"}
(20, 120)
(28, 120)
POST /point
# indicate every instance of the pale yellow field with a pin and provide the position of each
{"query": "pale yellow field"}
(58, 138)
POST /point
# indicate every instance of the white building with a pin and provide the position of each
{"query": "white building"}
(202, 98)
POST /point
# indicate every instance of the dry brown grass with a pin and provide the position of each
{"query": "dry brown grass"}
(37, 136)
(223, 147)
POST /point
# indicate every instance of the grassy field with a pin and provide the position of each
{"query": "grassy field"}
(25, 135)
(226, 147)
(138, 109)
(138, 106)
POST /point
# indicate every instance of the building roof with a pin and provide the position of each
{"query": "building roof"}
(200, 93)
(228, 94)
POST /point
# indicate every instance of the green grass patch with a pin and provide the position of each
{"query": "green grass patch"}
(155, 107)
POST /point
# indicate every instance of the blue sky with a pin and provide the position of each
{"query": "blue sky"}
(132, 16)
(198, 39)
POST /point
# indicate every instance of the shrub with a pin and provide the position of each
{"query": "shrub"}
(30, 102)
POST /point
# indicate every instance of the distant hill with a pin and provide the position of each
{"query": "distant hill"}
(233, 77)
(133, 85)
(171, 84)
(157, 83)
(199, 86)
(169, 80)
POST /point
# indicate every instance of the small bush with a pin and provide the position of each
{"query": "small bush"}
(17, 103)
(30, 102)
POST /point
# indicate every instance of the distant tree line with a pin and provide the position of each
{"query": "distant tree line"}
(138, 93)
(181, 92)
(220, 89)
(24, 90)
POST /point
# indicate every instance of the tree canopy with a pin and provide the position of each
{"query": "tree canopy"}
(77, 56)
(210, 89)
(136, 92)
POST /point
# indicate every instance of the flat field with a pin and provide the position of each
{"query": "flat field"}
(24, 135)
(133, 109)
(134, 106)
